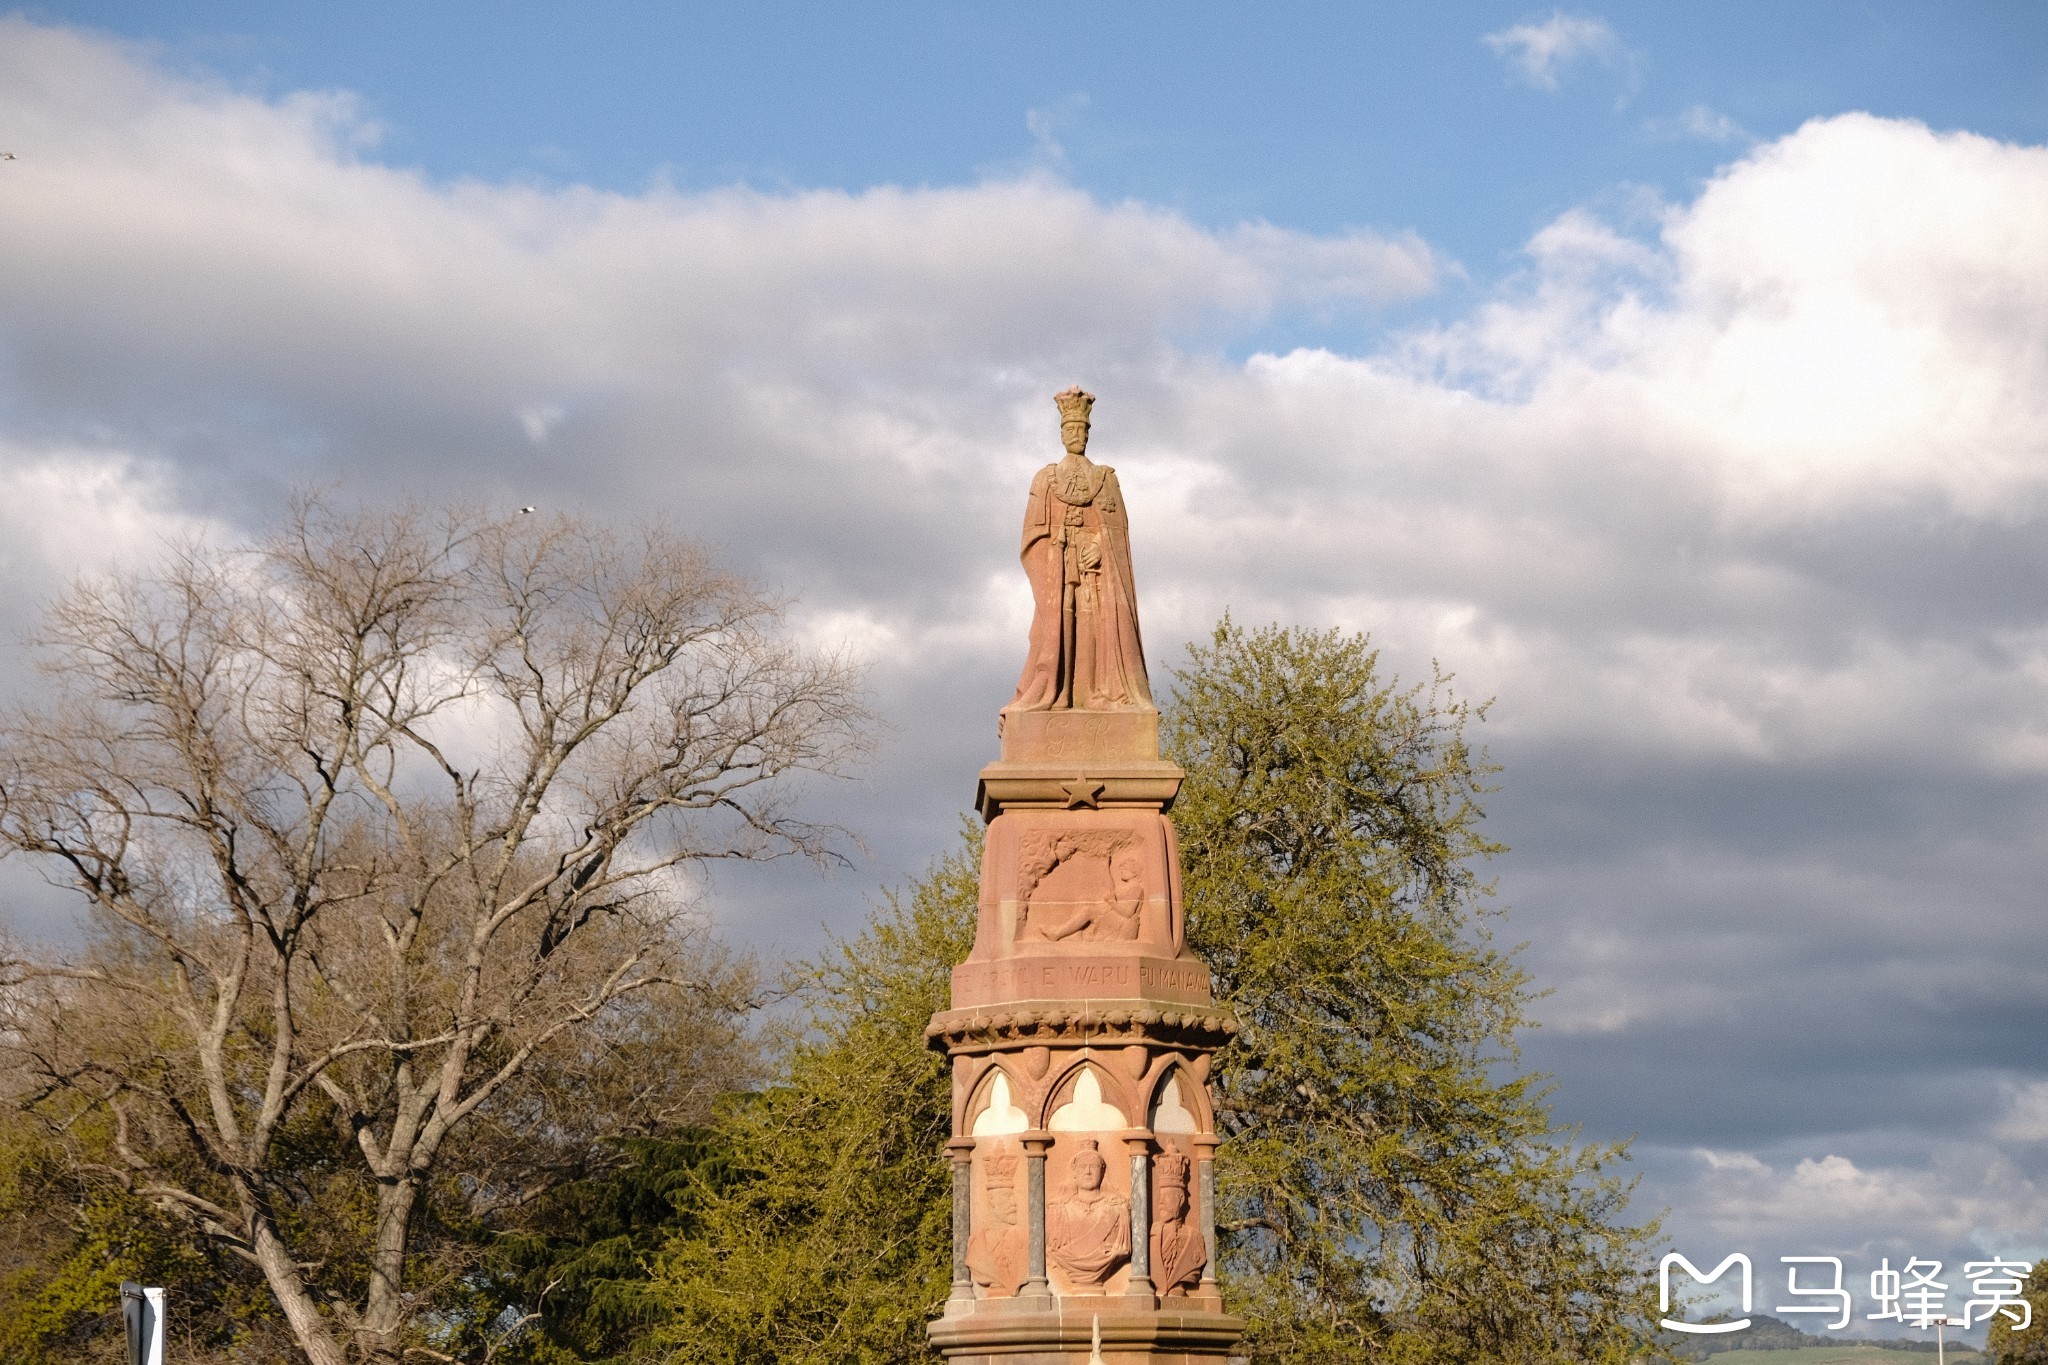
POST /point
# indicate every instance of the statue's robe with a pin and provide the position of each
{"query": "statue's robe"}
(1085, 651)
(998, 1257)
(1089, 1238)
(1177, 1254)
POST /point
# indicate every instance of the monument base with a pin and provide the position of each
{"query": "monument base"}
(1066, 1331)
(1082, 1028)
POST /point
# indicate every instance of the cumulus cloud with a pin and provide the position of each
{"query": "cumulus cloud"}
(1966, 1203)
(1735, 507)
(1831, 1201)
(48, 495)
(1541, 52)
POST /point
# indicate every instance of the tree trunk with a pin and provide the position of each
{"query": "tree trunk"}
(311, 1329)
(379, 1335)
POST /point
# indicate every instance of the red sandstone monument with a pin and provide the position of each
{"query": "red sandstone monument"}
(1082, 1027)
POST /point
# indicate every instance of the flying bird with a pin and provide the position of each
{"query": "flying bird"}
(524, 510)
(8, 156)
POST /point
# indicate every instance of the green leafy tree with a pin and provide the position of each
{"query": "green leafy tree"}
(831, 1241)
(2029, 1346)
(1387, 1191)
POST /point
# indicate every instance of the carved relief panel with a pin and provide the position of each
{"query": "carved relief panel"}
(1178, 1248)
(1081, 885)
(1079, 881)
(998, 1252)
(1088, 1188)
(1178, 1253)
(1087, 1217)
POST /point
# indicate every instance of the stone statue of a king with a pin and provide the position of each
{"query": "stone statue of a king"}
(1082, 1027)
(1085, 654)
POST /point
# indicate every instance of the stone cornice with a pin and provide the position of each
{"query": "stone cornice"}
(1033, 1023)
(1080, 784)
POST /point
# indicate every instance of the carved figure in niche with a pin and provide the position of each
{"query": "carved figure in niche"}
(998, 1252)
(1114, 916)
(1121, 914)
(1112, 889)
(1085, 654)
(1177, 1251)
(1088, 1232)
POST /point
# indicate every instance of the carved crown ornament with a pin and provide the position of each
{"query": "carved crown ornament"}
(1074, 405)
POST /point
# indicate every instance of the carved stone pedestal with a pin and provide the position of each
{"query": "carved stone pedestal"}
(1081, 1035)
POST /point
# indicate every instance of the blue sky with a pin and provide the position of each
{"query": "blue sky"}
(1316, 117)
(1675, 375)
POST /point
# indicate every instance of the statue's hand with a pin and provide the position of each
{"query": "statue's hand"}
(1091, 554)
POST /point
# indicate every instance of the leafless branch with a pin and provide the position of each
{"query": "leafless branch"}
(379, 825)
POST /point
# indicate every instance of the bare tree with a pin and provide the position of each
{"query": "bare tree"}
(386, 824)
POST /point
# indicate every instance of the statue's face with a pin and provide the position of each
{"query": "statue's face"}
(1173, 1203)
(1088, 1172)
(1002, 1202)
(1074, 436)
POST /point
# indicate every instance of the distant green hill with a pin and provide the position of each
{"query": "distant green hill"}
(1787, 1345)
(1844, 1353)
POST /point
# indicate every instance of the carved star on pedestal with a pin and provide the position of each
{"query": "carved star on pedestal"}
(1081, 792)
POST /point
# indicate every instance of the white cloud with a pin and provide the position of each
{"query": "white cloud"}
(1746, 1163)
(1699, 122)
(1541, 52)
(1965, 1198)
(1848, 316)
(1736, 507)
(67, 511)
(1044, 124)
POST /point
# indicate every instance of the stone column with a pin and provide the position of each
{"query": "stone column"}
(1140, 1145)
(1205, 1184)
(961, 1151)
(1036, 1145)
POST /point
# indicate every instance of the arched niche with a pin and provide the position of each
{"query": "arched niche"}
(994, 1110)
(1178, 1108)
(1085, 1103)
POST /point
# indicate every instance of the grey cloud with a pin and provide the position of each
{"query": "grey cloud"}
(1740, 525)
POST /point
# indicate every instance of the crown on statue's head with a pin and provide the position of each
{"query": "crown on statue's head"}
(1074, 405)
(1002, 1170)
(1170, 1168)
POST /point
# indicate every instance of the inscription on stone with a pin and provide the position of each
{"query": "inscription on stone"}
(1071, 978)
